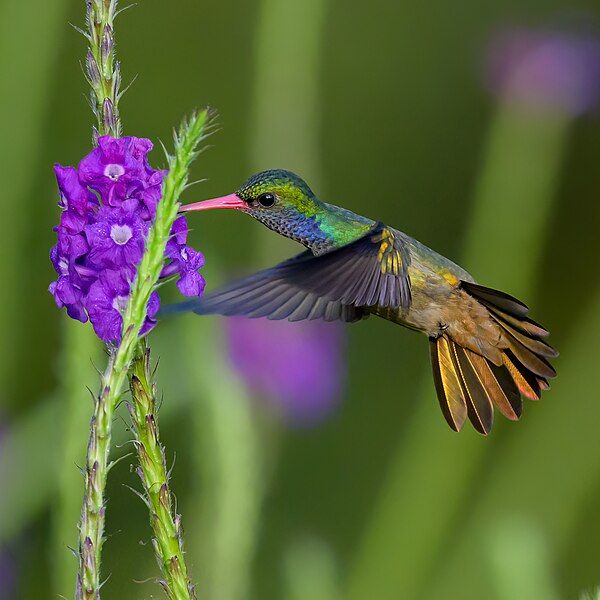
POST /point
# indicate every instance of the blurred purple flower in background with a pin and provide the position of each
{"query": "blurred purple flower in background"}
(298, 367)
(8, 570)
(7, 575)
(545, 69)
(108, 205)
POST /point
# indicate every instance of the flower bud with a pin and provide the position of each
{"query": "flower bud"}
(108, 116)
(106, 45)
(93, 72)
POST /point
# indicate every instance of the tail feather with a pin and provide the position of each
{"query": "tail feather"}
(530, 342)
(526, 381)
(501, 300)
(543, 383)
(500, 386)
(533, 362)
(524, 324)
(479, 403)
(447, 383)
(470, 383)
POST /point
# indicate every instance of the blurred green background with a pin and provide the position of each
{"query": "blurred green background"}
(385, 108)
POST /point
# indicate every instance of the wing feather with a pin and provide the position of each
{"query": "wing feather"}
(340, 284)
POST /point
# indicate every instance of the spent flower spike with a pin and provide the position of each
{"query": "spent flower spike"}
(108, 204)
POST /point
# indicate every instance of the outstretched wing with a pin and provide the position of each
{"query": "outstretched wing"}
(338, 285)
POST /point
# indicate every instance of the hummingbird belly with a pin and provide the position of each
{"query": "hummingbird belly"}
(437, 303)
(429, 311)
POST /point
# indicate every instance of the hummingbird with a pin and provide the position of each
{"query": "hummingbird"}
(485, 350)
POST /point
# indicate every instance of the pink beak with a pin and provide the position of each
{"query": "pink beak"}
(229, 201)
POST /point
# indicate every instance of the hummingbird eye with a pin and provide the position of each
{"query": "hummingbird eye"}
(266, 200)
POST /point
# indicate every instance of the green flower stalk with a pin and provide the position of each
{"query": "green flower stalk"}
(101, 247)
(168, 540)
(103, 75)
(149, 270)
(103, 71)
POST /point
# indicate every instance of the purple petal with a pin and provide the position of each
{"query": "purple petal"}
(113, 165)
(69, 296)
(74, 196)
(104, 302)
(116, 239)
(191, 284)
(153, 307)
(190, 258)
(179, 231)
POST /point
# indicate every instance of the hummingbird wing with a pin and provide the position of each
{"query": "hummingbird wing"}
(338, 285)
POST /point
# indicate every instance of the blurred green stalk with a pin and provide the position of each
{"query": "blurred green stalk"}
(81, 350)
(286, 112)
(311, 571)
(230, 472)
(433, 469)
(519, 561)
(31, 472)
(566, 473)
(233, 463)
(29, 42)
(168, 540)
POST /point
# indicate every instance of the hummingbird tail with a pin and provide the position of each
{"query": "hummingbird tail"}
(469, 384)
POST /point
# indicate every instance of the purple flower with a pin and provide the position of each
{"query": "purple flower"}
(185, 260)
(8, 565)
(115, 166)
(116, 238)
(67, 295)
(68, 289)
(8, 574)
(546, 70)
(298, 367)
(108, 205)
(151, 194)
(106, 302)
(75, 200)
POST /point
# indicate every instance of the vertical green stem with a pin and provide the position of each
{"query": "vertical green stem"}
(311, 570)
(103, 74)
(103, 71)
(168, 540)
(81, 349)
(229, 465)
(96, 468)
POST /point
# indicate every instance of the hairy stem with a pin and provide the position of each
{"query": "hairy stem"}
(96, 468)
(102, 70)
(81, 350)
(103, 75)
(168, 535)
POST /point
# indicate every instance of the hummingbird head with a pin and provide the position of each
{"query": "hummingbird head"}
(284, 203)
(277, 195)
(277, 198)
